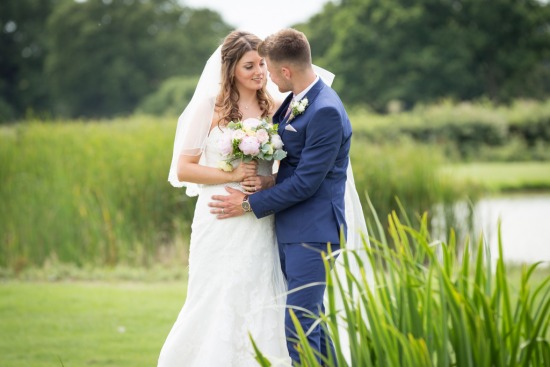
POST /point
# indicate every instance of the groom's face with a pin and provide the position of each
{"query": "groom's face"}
(279, 76)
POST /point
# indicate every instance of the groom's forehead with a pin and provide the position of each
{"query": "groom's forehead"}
(272, 65)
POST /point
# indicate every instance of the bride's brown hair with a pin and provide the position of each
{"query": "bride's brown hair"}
(235, 45)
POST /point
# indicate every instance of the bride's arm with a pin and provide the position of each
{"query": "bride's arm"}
(189, 170)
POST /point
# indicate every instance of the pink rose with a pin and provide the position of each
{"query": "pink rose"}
(251, 123)
(225, 143)
(262, 136)
(250, 145)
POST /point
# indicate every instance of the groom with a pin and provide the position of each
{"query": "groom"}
(308, 198)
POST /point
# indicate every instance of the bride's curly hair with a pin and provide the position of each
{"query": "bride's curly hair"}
(235, 45)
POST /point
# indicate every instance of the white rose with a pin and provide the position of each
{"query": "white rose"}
(300, 108)
(277, 142)
(238, 134)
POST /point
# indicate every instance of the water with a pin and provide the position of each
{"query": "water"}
(525, 225)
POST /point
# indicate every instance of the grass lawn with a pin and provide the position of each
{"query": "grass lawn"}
(108, 323)
(503, 176)
(86, 323)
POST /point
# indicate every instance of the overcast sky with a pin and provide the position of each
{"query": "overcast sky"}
(261, 17)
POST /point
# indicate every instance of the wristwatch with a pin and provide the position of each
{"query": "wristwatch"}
(246, 205)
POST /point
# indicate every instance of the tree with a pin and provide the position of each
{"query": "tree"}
(422, 50)
(319, 30)
(23, 49)
(106, 55)
(170, 98)
(510, 40)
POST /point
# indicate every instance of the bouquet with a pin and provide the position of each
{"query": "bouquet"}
(248, 140)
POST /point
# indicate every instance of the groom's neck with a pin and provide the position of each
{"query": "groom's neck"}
(302, 80)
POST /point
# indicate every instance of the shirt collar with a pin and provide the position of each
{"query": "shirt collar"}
(303, 93)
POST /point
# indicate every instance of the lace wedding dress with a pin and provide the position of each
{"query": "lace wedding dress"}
(235, 286)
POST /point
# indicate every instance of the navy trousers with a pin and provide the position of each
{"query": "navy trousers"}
(302, 264)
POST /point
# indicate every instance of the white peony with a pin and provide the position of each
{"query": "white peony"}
(225, 143)
(262, 136)
(250, 146)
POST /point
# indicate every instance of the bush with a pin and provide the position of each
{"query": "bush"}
(530, 121)
(171, 98)
(468, 130)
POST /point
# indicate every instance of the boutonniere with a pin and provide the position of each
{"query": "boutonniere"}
(297, 108)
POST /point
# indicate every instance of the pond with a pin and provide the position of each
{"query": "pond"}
(525, 225)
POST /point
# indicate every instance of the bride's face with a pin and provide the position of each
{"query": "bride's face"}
(250, 71)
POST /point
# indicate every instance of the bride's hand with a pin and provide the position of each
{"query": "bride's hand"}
(257, 183)
(243, 171)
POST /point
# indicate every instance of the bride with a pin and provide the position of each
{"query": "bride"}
(235, 280)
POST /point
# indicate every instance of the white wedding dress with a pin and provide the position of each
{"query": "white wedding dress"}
(235, 287)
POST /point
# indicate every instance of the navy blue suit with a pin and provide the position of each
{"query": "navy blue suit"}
(308, 198)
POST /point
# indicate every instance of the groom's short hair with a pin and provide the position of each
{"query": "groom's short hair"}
(287, 45)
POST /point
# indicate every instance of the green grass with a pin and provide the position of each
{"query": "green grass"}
(500, 176)
(121, 324)
(81, 323)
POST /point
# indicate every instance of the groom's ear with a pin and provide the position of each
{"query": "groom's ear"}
(287, 73)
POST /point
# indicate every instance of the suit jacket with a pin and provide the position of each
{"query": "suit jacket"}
(308, 199)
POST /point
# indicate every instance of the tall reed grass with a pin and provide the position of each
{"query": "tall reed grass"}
(415, 303)
(410, 172)
(87, 192)
(96, 192)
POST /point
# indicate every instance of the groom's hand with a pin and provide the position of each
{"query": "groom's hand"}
(227, 206)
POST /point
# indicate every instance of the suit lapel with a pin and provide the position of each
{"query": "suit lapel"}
(279, 116)
(311, 95)
(314, 91)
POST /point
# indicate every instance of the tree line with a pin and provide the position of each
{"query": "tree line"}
(101, 58)
(96, 58)
(419, 51)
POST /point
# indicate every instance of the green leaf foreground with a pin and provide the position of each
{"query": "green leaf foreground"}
(426, 304)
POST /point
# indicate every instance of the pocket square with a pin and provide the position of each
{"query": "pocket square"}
(289, 127)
